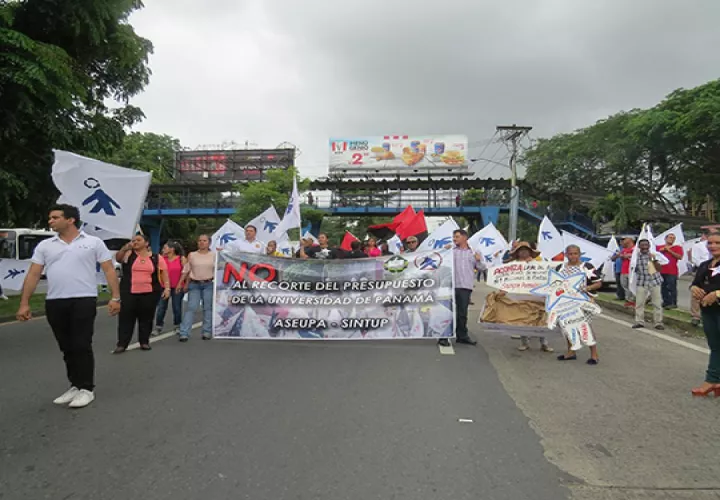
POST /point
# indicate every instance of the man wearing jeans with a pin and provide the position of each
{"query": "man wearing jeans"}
(69, 261)
(648, 281)
(673, 253)
(465, 262)
(628, 247)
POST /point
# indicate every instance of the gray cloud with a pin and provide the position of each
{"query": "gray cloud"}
(277, 70)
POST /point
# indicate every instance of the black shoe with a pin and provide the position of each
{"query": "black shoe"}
(562, 357)
(183, 339)
(638, 325)
(659, 327)
(466, 340)
(592, 361)
(145, 347)
(444, 342)
(206, 337)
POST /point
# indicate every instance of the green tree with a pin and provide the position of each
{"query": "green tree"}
(624, 212)
(60, 63)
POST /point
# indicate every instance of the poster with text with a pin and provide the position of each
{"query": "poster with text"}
(394, 297)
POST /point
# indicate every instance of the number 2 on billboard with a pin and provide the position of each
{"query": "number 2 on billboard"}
(356, 159)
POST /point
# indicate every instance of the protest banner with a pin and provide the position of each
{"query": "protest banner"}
(519, 277)
(392, 297)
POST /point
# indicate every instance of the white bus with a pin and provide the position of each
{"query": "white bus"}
(20, 243)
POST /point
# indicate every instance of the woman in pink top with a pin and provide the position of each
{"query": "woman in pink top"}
(174, 257)
(372, 248)
(145, 279)
(197, 280)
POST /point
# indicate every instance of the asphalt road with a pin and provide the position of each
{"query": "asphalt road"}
(346, 420)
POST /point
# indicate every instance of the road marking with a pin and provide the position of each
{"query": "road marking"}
(658, 335)
(446, 349)
(164, 336)
(465, 421)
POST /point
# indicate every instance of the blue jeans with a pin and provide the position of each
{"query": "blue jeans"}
(177, 300)
(669, 290)
(198, 291)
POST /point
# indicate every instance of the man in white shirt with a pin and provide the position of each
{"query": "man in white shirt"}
(250, 244)
(69, 260)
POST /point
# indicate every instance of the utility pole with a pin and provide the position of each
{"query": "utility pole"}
(512, 134)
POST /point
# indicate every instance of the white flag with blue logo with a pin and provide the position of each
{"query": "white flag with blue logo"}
(440, 238)
(683, 264)
(291, 218)
(490, 243)
(309, 236)
(589, 252)
(228, 232)
(267, 224)
(395, 245)
(550, 243)
(12, 273)
(284, 246)
(107, 196)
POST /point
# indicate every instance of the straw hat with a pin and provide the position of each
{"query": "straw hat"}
(523, 244)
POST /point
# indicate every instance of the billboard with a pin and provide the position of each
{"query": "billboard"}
(230, 165)
(398, 152)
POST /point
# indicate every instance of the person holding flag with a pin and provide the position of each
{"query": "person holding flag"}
(646, 280)
(670, 271)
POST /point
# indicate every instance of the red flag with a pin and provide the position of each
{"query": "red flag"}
(413, 226)
(347, 240)
(405, 214)
(387, 230)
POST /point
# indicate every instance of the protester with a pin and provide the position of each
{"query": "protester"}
(464, 261)
(385, 249)
(618, 265)
(250, 244)
(706, 290)
(593, 282)
(411, 244)
(355, 251)
(628, 247)
(145, 280)
(649, 283)
(272, 250)
(669, 272)
(197, 281)
(698, 254)
(372, 248)
(311, 200)
(320, 251)
(175, 261)
(523, 251)
(69, 262)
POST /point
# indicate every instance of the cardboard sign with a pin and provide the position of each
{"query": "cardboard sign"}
(519, 277)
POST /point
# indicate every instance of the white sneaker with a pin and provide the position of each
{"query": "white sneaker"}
(4, 297)
(82, 399)
(67, 397)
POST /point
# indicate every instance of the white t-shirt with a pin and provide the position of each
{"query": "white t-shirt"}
(71, 267)
(246, 246)
(700, 253)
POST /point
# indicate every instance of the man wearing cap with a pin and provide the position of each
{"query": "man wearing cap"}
(465, 261)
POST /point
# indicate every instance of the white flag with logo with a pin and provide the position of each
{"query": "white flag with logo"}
(440, 238)
(683, 264)
(12, 273)
(609, 266)
(228, 232)
(490, 243)
(589, 252)
(107, 196)
(291, 218)
(550, 243)
(284, 246)
(395, 244)
(267, 224)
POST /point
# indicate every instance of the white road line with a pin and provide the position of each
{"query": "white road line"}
(164, 336)
(658, 335)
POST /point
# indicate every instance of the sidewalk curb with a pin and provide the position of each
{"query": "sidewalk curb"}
(41, 313)
(668, 321)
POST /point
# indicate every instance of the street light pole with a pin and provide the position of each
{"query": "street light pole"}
(512, 135)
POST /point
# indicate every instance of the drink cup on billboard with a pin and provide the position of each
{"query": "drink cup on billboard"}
(386, 146)
(415, 146)
(439, 148)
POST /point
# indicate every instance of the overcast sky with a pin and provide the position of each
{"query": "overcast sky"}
(271, 71)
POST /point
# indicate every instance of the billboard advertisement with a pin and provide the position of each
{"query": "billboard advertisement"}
(398, 152)
(230, 165)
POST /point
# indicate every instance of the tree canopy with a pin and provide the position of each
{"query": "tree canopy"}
(61, 62)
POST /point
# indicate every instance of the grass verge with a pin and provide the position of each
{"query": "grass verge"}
(9, 307)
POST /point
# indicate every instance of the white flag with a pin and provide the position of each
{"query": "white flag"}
(267, 225)
(490, 243)
(683, 264)
(12, 273)
(107, 196)
(589, 251)
(291, 218)
(309, 235)
(440, 238)
(228, 232)
(550, 243)
(283, 246)
(395, 244)
(609, 266)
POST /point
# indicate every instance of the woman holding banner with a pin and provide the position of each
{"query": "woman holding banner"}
(575, 265)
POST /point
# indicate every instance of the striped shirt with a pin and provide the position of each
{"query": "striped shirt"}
(464, 262)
